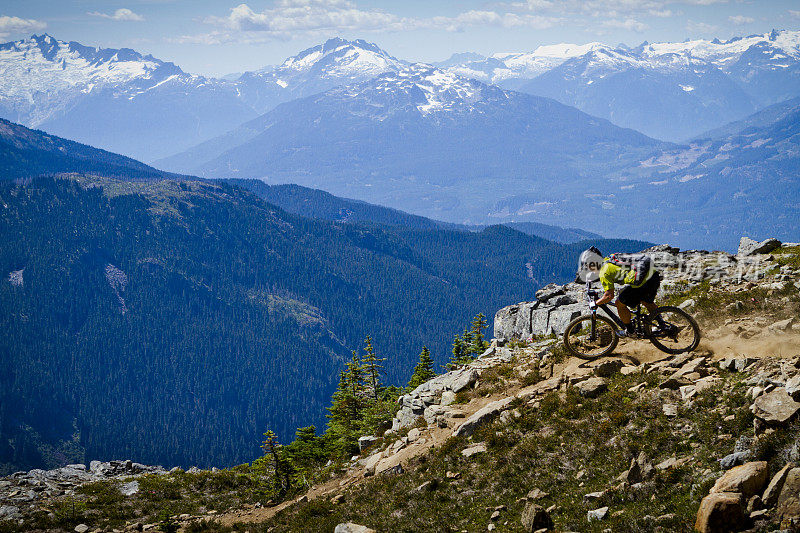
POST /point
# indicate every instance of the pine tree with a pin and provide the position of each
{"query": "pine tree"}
(373, 367)
(459, 355)
(282, 470)
(478, 344)
(423, 371)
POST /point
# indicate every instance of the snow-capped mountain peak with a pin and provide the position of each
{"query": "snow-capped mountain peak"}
(45, 65)
(428, 89)
(341, 58)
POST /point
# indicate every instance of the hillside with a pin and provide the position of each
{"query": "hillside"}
(26, 153)
(199, 315)
(526, 439)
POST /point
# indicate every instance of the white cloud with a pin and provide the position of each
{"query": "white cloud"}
(701, 27)
(627, 24)
(794, 13)
(288, 18)
(120, 14)
(14, 25)
(740, 20)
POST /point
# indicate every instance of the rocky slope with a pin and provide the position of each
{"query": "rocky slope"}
(526, 439)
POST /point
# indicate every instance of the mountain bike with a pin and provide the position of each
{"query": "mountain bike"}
(668, 328)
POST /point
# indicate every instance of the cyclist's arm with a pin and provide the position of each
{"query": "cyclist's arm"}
(607, 297)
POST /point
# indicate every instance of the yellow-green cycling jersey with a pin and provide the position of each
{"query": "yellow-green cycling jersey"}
(611, 273)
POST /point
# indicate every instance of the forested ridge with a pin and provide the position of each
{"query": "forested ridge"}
(172, 322)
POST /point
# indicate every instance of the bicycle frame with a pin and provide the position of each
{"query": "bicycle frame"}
(592, 294)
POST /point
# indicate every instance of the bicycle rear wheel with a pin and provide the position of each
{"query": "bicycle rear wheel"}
(590, 337)
(676, 331)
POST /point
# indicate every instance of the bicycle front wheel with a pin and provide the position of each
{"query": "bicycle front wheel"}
(672, 330)
(590, 337)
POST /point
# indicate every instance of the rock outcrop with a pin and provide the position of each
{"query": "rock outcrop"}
(556, 305)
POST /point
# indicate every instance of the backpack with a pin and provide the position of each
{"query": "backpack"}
(640, 264)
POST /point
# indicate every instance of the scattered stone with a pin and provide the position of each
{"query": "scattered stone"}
(782, 325)
(338, 499)
(594, 496)
(452, 475)
(448, 397)
(495, 515)
(592, 387)
(428, 486)
(8, 511)
(597, 514)
(687, 304)
(414, 434)
(775, 407)
(748, 246)
(475, 449)
(748, 479)
(608, 368)
(672, 462)
(366, 441)
(720, 512)
(534, 518)
(81, 528)
(481, 416)
(350, 527)
(537, 494)
(130, 488)
(670, 410)
(734, 459)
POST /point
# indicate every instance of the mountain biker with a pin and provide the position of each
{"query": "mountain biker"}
(635, 271)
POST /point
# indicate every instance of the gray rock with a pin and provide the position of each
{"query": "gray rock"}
(534, 518)
(130, 488)
(775, 407)
(366, 441)
(481, 416)
(448, 397)
(592, 387)
(687, 304)
(748, 246)
(564, 299)
(734, 459)
(475, 449)
(81, 528)
(9, 511)
(597, 514)
(464, 379)
(608, 368)
(549, 291)
(350, 527)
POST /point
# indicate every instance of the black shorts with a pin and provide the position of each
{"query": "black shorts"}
(631, 296)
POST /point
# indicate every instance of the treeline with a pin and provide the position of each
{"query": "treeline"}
(170, 322)
(362, 405)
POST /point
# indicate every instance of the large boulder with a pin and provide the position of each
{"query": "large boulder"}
(481, 416)
(789, 499)
(721, 512)
(592, 387)
(775, 407)
(748, 479)
(770, 497)
(549, 291)
(748, 246)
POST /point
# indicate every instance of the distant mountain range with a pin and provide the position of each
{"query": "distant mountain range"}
(425, 141)
(670, 91)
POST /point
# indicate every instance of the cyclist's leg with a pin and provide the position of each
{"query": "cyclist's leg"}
(627, 297)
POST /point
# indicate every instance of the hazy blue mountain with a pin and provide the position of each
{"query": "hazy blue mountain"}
(637, 94)
(315, 203)
(426, 142)
(27, 153)
(707, 194)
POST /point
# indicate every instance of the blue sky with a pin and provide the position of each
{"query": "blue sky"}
(215, 37)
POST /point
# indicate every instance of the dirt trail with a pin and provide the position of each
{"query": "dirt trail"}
(746, 336)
